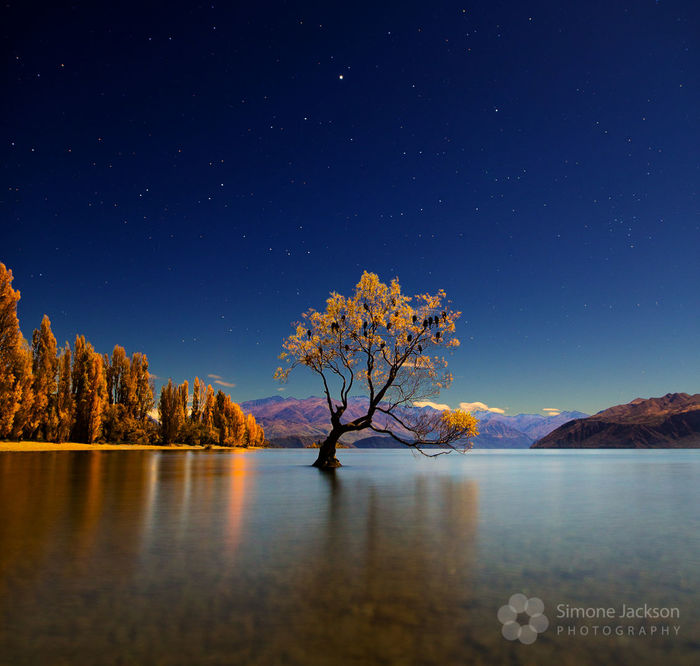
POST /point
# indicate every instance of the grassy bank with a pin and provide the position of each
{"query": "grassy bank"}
(75, 446)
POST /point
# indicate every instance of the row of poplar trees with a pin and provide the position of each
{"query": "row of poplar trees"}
(211, 418)
(60, 395)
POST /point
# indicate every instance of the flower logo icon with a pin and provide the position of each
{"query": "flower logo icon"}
(535, 621)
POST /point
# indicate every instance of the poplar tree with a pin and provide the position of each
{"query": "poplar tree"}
(89, 390)
(109, 378)
(23, 415)
(44, 369)
(183, 393)
(123, 389)
(237, 419)
(251, 431)
(16, 395)
(142, 386)
(64, 397)
(197, 400)
(208, 415)
(170, 412)
(219, 417)
(131, 397)
(229, 420)
(96, 398)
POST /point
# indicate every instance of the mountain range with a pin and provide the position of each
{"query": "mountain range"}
(297, 423)
(672, 421)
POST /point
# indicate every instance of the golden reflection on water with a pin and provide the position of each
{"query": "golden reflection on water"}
(240, 480)
(97, 547)
(91, 508)
(242, 558)
(152, 465)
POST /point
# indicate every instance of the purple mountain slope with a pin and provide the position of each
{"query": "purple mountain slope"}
(669, 422)
(293, 423)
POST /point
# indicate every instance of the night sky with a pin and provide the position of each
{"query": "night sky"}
(185, 180)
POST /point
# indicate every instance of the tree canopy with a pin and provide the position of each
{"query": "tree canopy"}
(391, 346)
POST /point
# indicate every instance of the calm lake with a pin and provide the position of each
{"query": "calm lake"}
(216, 557)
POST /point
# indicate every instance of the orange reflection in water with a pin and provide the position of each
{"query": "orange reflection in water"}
(92, 505)
(240, 478)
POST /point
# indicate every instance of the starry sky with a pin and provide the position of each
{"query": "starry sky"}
(186, 179)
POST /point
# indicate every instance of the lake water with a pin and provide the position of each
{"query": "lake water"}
(216, 557)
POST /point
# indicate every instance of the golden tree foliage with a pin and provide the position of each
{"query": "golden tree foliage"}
(212, 419)
(228, 420)
(64, 397)
(391, 346)
(121, 383)
(197, 400)
(130, 393)
(170, 412)
(207, 417)
(90, 397)
(89, 391)
(142, 386)
(254, 435)
(183, 393)
(44, 419)
(96, 397)
(16, 395)
(23, 374)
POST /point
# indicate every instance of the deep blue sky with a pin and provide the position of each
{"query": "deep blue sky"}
(186, 181)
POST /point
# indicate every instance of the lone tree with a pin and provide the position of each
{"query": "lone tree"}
(381, 340)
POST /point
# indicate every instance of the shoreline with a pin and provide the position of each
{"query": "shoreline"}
(21, 446)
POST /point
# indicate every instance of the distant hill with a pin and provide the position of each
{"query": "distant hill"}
(672, 421)
(294, 423)
(297, 423)
(532, 426)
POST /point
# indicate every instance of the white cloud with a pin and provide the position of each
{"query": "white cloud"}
(551, 411)
(218, 379)
(435, 405)
(466, 406)
(480, 407)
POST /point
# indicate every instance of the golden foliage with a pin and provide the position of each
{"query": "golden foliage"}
(212, 419)
(12, 366)
(43, 421)
(460, 420)
(170, 412)
(16, 395)
(387, 343)
(375, 336)
(89, 391)
(64, 397)
(86, 396)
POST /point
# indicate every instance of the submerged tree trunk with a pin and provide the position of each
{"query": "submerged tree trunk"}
(326, 453)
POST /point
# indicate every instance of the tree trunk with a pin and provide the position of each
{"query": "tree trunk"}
(326, 453)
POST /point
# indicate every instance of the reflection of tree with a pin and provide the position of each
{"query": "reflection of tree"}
(240, 473)
(388, 580)
(29, 512)
(68, 544)
(182, 559)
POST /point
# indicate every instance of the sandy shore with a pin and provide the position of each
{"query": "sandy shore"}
(74, 446)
